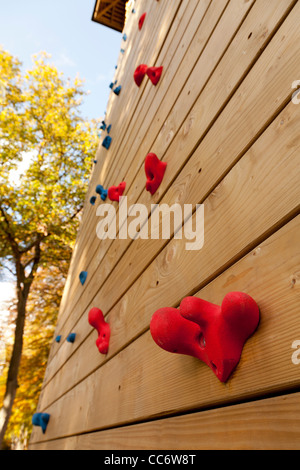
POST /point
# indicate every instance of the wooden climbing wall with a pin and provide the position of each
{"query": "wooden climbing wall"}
(225, 119)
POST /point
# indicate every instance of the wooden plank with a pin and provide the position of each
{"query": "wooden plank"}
(122, 390)
(269, 424)
(261, 100)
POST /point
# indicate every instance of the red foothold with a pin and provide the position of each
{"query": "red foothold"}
(221, 335)
(139, 74)
(96, 320)
(141, 20)
(115, 192)
(154, 74)
(155, 170)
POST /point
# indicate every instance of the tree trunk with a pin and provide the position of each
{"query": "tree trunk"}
(12, 377)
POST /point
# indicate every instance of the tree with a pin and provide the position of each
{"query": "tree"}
(40, 121)
(41, 316)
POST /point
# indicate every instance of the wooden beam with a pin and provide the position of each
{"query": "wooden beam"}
(269, 424)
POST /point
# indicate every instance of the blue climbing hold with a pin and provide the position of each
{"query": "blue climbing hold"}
(108, 129)
(103, 126)
(124, 37)
(95, 161)
(71, 338)
(101, 191)
(83, 276)
(58, 338)
(93, 200)
(41, 419)
(122, 51)
(111, 85)
(117, 90)
(106, 142)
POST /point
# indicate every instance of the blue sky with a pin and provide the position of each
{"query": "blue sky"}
(64, 29)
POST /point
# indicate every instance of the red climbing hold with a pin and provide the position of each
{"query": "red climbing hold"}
(141, 20)
(115, 192)
(214, 334)
(96, 320)
(155, 170)
(139, 74)
(154, 73)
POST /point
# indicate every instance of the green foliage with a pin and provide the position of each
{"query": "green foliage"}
(41, 124)
(40, 119)
(42, 310)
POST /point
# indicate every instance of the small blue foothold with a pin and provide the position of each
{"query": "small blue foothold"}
(133, 10)
(93, 200)
(116, 67)
(122, 51)
(41, 419)
(106, 142)
(95, 161)
(83, 276)
(71, 337)
(111, 85)
(108, 129)
(103, 126)
(58, 338)
(124, 37)
(117, 90)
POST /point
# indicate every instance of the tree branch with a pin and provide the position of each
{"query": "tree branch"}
(28, 247)
(9, 235)
(36, 258)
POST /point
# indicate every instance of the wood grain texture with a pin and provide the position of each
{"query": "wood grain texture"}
(91, 241)
(116, 252)
(240, 187)
(265, 99)
(123, 389)
(269, 424)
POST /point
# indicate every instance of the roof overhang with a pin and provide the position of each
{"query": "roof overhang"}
(110, 13)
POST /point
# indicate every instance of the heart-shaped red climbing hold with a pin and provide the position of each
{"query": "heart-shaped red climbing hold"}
(154, 74)
(96, 320)
(155, 170)
(141, 20)
(214, 334)
(115, 192)
(139, 74)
